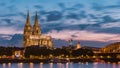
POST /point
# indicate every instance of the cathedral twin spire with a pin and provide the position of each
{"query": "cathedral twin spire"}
(33, 36)
(28, 19)
(36, 28)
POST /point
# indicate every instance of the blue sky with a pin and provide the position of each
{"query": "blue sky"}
(87, 21)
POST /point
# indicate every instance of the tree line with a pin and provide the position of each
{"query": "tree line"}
(46, 52)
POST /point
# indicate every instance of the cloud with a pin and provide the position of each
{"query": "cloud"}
(10, 30)
(78, 22)
(111, 25)
(83, 35)
(38, 6)
(5, 37)
(77, 16)
(72, 16)
(54, 16)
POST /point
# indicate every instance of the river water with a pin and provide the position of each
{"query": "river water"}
(60, 65)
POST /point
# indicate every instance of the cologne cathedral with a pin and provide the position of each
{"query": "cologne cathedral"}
(33, 36)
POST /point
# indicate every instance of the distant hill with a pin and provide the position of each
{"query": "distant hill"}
(16, 40)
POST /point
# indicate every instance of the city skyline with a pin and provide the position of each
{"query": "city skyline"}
(93, 23)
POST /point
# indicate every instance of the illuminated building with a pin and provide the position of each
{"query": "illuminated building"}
(33, 35)
(78, 45)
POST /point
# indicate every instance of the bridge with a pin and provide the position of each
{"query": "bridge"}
(112, 48)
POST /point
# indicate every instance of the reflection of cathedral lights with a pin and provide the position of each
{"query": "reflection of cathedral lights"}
(31, 65)
(20, 65)
(33, 35)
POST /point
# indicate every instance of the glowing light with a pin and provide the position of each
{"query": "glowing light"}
(4, 65)
(86, 63)
(20, 65)
(41, 62)
(79, 62)
(31, 65)
(67, 65)
(108, 62)
(95, 63)
(9, 65)
(51, 65)
(41, 65)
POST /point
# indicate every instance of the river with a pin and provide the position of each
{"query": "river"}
(60, 65)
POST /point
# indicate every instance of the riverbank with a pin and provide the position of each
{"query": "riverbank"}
(23, 60)
(61, 60)
(42, 60)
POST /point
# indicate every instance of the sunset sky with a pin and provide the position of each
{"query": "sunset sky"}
(97, 22)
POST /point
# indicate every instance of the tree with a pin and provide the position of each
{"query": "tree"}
(82, 51)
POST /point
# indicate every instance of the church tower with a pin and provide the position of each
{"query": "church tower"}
(36, 26)
(78, 46)
(33, 35)
(27, 31)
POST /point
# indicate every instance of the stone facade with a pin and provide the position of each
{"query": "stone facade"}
(33, 35)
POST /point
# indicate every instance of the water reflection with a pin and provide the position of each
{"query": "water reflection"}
(9, 65)
(4, 65)
(119, 65)
(31, 65)
(114, 65)
(67, 65)
(95, 64)
(20, 65)
(51, 65)
(41, 65)
(60, 65)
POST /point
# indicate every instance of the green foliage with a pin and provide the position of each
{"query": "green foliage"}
(46, 52)
(82, 51)
(59, 51)
(6, 51)
(37, 51)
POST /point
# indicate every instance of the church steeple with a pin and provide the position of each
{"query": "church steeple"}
(36, 20)
(36, 26)
(27, 30)
(28, 19)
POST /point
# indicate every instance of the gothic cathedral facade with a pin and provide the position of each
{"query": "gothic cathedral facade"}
(33, 36)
